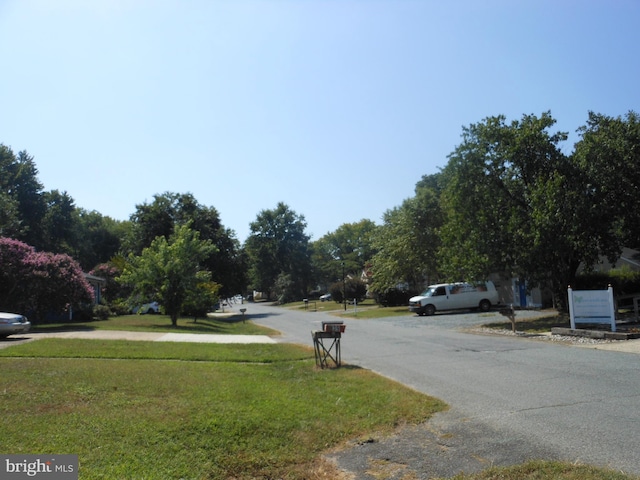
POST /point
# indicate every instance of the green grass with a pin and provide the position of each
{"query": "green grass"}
(149, 410)
(140, 350)
(365, 310)
(376, 312)
(537, 470)
(233, 324)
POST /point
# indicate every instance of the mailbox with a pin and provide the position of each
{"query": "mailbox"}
(333, 327)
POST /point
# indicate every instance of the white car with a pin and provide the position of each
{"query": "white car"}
(152, 307)
(325, 298)
(12, 323)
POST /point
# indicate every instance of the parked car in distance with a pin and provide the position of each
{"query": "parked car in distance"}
(454, 296)
(12, 323)
(325, 298)
(152, 307)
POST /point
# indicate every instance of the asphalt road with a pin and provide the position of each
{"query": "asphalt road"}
(512, 399)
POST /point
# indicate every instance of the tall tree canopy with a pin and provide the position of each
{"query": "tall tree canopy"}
(408, 240)
(170, 210)
(609, 155)
(348, 249)
(22, 195)
(98, 237)
(515, 203)
(49, 220)
(278, 245)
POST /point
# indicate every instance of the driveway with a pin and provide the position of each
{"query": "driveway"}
(511, 399)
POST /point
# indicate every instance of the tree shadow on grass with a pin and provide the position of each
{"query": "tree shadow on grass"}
(65, 327)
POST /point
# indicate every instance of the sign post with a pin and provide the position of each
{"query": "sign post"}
(592, 306)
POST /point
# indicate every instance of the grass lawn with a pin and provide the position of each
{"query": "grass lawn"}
(220, 324)
(367, 309)
(146, 410)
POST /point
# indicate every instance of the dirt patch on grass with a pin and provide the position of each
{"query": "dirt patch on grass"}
(443, 447)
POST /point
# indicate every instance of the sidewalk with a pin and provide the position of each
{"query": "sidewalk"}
(156, 337)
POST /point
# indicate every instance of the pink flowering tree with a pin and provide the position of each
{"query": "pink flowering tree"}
(14, 270)
(38, 283)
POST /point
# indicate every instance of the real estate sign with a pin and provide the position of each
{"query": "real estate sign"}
(592, 306)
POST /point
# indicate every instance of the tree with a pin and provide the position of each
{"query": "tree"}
(347, 249)
(58, 284)
(171, 210)
(515, 203)
(112, 291)
(278, 245)
(609, 154)
(9, 218)
(98, 238)
(14, 274)
(22, 193)
(39, 282)
(50, 221)
(200, 300)
(408, 240)
(59, 222)
(169, 271)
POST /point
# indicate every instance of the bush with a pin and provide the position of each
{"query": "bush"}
(120, 307)
(394, 297)
(101, 312)
(624, 281)
(355, 288)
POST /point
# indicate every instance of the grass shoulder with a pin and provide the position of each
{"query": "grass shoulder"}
(365, 310)
(546, 470)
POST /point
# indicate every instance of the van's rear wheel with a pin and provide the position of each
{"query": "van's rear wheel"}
(485, 305)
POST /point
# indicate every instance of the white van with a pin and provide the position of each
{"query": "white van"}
(453, 296)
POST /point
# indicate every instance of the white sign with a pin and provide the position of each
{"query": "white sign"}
(592, 306)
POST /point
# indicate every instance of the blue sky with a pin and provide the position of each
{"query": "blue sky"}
(335, 107)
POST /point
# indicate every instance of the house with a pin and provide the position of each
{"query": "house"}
(97, 283)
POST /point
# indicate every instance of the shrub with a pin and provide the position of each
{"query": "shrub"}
(120, 307)
(394, 297)
(101, 312)
(624, 281)
(354, 288)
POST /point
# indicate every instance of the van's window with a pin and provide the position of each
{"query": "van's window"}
(440, 291)
(429, 292)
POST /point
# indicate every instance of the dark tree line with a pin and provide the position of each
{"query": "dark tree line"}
(49, 220)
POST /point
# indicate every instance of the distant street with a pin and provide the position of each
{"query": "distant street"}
(554, 401)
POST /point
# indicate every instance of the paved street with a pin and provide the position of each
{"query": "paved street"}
(540, 399)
